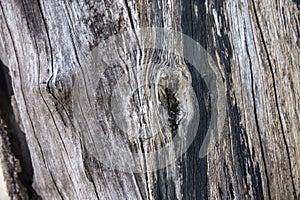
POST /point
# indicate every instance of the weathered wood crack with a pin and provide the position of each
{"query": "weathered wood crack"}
(275, 97)
(16, 142)
(256, 122)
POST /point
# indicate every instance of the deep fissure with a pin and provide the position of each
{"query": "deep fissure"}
(18, 144)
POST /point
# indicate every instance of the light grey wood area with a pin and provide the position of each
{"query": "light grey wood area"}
(46, 147)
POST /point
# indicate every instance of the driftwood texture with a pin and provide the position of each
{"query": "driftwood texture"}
(255, 45)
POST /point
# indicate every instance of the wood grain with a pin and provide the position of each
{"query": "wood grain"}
(255, 45)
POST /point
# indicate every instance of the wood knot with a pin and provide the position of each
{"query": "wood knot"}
(60, 86)
(171, 104)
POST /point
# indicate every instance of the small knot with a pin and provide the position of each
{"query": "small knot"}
(60, 86)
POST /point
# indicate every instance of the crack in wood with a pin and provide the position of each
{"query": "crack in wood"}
(256, 121)
(275, 95)
(16, 137)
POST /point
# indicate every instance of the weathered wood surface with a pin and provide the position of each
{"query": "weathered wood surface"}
(255, 45)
